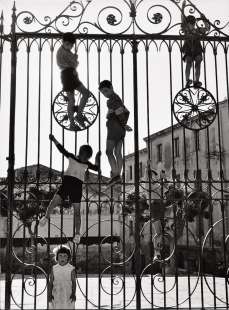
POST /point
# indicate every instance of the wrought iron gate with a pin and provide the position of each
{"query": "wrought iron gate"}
(161, 239)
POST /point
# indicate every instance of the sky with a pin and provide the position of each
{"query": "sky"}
(159, 83)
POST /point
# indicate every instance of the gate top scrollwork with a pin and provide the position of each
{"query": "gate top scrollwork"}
(115, 17)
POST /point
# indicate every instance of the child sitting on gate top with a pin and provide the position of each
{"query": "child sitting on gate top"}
(192, 49)
(72, 182)
(68, 62)
(62, 283)
(117, 117)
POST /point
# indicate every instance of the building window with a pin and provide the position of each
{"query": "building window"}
(131, 172)
(159, 152)
(177, 147)
(140, 170)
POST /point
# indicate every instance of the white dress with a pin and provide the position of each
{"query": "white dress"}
(62, 287)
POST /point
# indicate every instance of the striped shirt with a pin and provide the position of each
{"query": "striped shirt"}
(66, 59)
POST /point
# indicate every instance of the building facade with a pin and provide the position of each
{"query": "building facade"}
(186, 156)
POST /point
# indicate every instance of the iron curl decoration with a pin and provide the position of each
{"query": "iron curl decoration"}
(71, 16)
(110, 20)
(157, 15)
(210, 233)
(29, 282)
(128, 17)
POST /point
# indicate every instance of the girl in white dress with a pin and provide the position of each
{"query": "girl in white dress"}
(62, 284)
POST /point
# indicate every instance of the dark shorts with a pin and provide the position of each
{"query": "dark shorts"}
(192, 49)
(71, 187)
(70, 79)
(115, 131)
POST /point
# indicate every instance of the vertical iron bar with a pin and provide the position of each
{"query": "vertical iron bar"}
(221, 170)
(186, 189)
(136, 175)
(173, 173)
(1, 52)
(86, 191)
(99, 196)
(122, 51)
(210, 223)
(25, 176)
(11, 160)
(50, 161)
(88, 81)
(149, 180)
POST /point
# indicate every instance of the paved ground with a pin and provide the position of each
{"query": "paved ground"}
(177, 296)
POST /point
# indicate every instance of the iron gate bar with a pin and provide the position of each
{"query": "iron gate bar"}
(221, 170)
(136, 174)
(11, 160)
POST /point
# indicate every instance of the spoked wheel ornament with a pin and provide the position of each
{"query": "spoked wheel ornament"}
(194, 108)
(82, 120)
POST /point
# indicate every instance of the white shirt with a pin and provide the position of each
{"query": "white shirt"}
(76, 169)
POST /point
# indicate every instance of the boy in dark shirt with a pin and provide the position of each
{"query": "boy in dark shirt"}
(117, 118)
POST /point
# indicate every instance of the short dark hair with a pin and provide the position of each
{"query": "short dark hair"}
(69, 37)
(87, 149)
(190, 19)
(105, 84)
(65, 250)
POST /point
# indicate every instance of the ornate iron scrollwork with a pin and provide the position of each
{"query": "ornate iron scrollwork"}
(126, 16)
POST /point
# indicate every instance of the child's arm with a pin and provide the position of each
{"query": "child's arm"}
(207, 26)
(73, 278)
(59, 146)
(122, 114)
(96, 166)
(50, 287)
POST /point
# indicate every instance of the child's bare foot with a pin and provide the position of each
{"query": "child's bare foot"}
(188, 83)
(76, 239)
(197, 84)
(80, 119)
(74, 127)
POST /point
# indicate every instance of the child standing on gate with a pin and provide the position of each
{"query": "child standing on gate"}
(62, 283)
(117, 118)
(192, 49)
(68, 62)
(72, 182)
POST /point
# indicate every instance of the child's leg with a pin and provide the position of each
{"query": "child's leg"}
(56, 201)
(188, 60)
(77, 217)
(118, 155)
(110, 155)
(71, 104)
(85, 94)
(198, 61)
